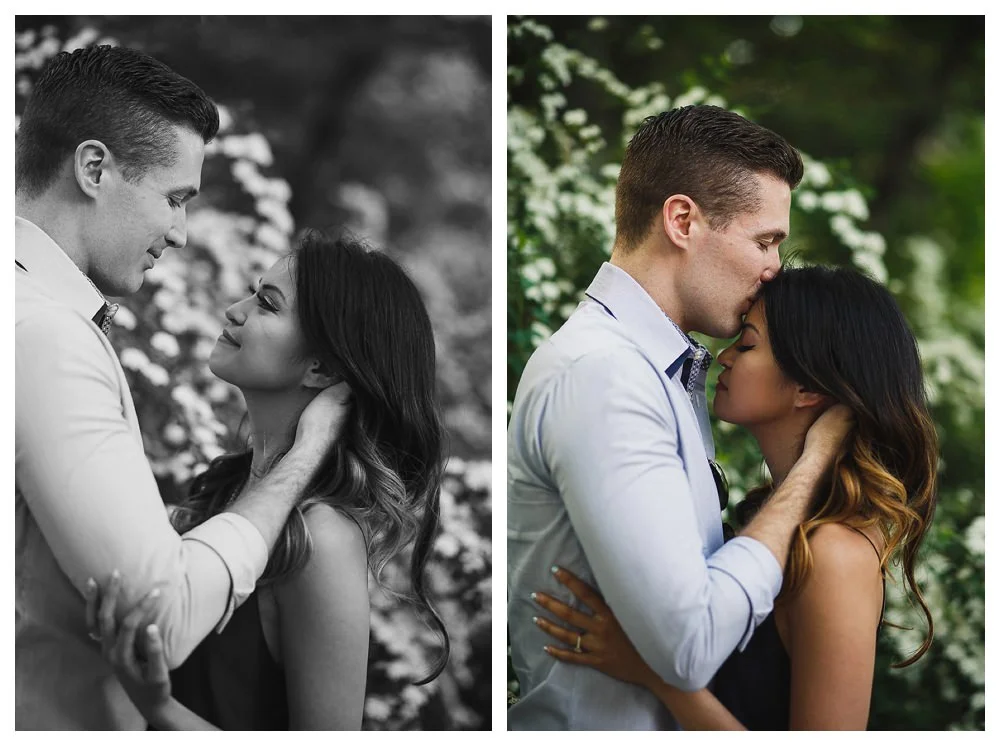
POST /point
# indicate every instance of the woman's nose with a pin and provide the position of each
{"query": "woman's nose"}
(234, 315)
(724, 357)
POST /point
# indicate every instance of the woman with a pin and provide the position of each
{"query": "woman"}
(815, 336)
(294, 656)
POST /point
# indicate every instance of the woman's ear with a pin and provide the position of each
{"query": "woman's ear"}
(318, 377)
(806, 398)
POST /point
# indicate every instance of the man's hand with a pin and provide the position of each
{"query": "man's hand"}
(826, 435)
(323, 420)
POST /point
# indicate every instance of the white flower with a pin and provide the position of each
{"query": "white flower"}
(815, 174)
(807, 200)
(575, 117)
(832, 201)
(125, 318)
(156, 375)
(86, 37)
(165, 343)
(975, 536)
(253, 147)
(133, 359)
(854, 204)
(539, 331)
(225, 120)
(174, 434)
(546, 266)
(277, 213)
(694, 96)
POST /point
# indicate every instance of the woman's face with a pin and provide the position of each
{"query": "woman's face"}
(262, 347)
(752, 390)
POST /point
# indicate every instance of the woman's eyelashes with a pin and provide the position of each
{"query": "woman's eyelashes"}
(261, 300)
(744, 348)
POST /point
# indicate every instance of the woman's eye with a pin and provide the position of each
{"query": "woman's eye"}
(744, 348)
(261, 300)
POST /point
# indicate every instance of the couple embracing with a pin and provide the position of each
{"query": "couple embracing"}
(246, 608)
(629, 606)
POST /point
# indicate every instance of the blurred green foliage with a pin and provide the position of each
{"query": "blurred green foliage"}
(326, 121)
(889, 116)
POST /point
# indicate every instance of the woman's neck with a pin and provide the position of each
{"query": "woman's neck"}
(781, 444)
(274, 417)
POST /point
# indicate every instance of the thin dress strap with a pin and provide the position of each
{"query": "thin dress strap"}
(877, 554)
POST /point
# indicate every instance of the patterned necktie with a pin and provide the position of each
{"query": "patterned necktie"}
(103, 317)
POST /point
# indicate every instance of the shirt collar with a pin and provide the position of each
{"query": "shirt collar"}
(654, 332)
(53, 270)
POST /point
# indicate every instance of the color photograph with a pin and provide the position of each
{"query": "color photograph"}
(746, 373)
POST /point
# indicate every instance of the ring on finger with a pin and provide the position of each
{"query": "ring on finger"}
(577, 648)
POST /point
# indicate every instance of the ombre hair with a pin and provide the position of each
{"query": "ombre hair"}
(834, 331)
(364, 319)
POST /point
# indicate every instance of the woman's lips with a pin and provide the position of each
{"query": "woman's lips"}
(225, 337)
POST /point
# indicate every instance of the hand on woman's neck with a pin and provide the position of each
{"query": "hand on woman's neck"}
(781, 444)
(273, 420)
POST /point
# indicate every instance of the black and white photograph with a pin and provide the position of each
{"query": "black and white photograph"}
(253, 373)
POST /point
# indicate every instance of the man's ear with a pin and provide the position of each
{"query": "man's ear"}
(679, 212)
(91, 162)
(318, 377)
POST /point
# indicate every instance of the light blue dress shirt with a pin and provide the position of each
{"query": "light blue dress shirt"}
(608, 476)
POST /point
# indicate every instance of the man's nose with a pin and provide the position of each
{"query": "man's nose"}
(177, 235)
(772, 267)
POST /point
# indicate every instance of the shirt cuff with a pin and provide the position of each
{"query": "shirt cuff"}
(243, 551)
(756, 571)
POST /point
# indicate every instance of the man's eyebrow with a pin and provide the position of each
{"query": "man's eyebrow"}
(776, 236)
(186, 193)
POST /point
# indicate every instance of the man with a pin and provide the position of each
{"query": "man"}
(109, 153)
(609, 439)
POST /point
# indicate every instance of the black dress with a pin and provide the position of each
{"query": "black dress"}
(231, 678)
(756, 685)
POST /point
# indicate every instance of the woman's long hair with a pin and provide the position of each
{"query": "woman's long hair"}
(836, 332)
(364, 319)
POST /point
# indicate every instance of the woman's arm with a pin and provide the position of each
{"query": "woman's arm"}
(832, 625)
(146, 681)
(323, 616)
(605, 646)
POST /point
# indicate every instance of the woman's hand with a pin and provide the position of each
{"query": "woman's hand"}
(603, 643)
(146, 680)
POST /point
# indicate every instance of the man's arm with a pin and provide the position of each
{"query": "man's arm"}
(788, 506)
(613, 452)
(86, 480)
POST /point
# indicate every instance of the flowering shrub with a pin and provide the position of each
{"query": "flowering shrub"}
(164, 335)
(561, 173)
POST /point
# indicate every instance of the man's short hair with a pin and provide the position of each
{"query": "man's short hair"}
(707, 153)
(120, 96)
